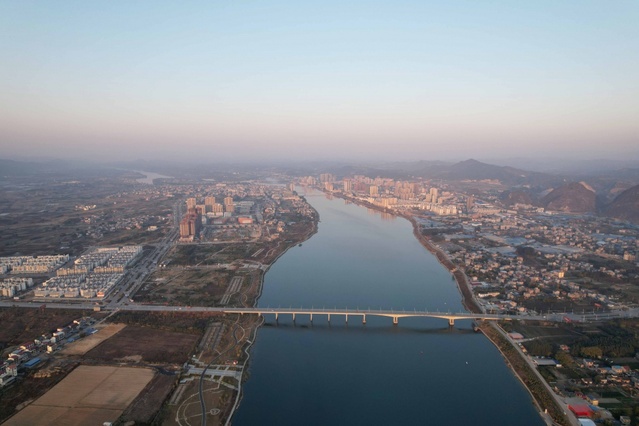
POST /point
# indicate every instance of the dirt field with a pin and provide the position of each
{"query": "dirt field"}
(82, 346)
(89, 395)
(185, 286)
(146, 406)
(148, 344)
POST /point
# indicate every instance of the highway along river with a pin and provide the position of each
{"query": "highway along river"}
(420, 372)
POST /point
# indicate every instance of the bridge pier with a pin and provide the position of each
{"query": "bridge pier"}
(329, 318)
(346, 318)
(451, 322)
(276, 316)
(395, 320)
(293, 316)
(311, 317)
(364, 319)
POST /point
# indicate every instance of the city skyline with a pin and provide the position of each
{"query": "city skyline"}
(371, 81)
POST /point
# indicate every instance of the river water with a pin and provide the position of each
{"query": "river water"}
(149, 177)
(420, 372)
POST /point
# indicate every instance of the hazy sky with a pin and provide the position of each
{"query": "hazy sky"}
(328, 79)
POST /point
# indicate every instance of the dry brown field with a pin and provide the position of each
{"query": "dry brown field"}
(148, 344)
(89, 395)
(146, 407)
(177, 286)
(82, 346)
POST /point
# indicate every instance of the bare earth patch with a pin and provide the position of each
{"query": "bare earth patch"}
(89, 395)
(148, 344)
(82, 346)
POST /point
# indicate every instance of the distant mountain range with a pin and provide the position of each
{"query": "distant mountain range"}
(574, 197)
(599, 193)
(613, 193)
(625, 206)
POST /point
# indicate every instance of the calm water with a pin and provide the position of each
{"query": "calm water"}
(420, 372)
(150, 177)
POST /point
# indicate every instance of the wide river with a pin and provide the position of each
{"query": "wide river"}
(420, 372)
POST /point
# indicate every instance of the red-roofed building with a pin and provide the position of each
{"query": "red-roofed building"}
(581, 410)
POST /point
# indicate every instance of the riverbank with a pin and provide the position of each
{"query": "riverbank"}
(543, 397)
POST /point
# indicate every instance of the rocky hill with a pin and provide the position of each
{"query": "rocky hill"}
(519, 197)
(625, 206)
(574, 197)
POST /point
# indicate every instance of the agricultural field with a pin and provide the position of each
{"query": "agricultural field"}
(89, 395)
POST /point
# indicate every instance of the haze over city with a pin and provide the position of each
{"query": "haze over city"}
(368, 80)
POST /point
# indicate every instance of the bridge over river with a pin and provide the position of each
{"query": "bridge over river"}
(346, 313)
(362, 313)
(395, 315)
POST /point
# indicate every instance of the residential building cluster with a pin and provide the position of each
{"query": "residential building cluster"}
(103, 260)
(240, 210)
(32, 264)
(10, 287)
(541, 256)
(90, 286)
(395, 195)
(93, 276)
(28, 355)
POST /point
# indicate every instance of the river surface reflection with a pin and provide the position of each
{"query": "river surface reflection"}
(149, 177)
(420, 372)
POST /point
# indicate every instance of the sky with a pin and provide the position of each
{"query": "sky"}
(307, 80)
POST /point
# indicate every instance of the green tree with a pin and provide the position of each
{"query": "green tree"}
(591, 352)
(565, 359)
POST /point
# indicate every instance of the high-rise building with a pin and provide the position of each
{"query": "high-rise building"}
(191, 224)
(191, 203)
(327, 177)
(433, 195)
(228, 204)
(209, 201)
(348, 185)
(217, 208)
(470, 202)
(361, 187)
(373, 190)
(184, 229)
